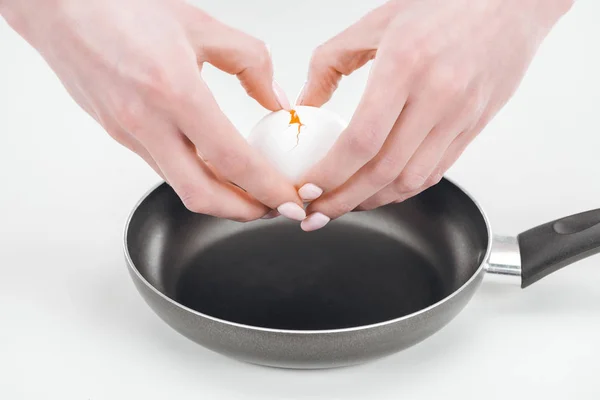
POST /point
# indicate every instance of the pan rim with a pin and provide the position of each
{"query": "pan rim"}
(136, 272)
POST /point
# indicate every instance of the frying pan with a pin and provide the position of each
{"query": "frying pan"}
(368, 285)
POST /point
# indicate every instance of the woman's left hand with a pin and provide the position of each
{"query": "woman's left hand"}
(442, 70)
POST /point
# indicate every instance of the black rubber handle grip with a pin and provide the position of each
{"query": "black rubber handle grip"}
(549, 247)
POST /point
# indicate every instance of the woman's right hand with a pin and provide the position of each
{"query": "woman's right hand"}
(135, 65)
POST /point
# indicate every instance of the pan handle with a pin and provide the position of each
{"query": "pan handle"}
(551, 246)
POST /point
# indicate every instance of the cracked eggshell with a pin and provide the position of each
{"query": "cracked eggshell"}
(276, 139)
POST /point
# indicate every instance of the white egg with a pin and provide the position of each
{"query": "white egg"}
(291, 152)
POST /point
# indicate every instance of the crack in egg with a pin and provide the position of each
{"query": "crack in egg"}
(295, 119)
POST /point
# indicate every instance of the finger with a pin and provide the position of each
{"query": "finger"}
(432, 118)
(131, 143)
(239, 54)
(457, 106)
(460, 144)
(195, 184)
(376, 114)
(220, 144)
(386, 196)
(451, 155)
(409, 131)
(328, 64)
(421, 168)
(344, 54)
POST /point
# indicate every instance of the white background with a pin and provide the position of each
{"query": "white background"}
(72, 325)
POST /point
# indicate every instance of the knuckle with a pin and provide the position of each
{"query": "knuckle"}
(321, 64)
(326, 68)
(434, 179)
(233, 164)
(365, 140)
(384, 171)
(268, 189)
(409, 181)
(446, 80)
(319, 54)
(114, 132)
(130, 114)
(410, 56)
(174, 90)
(378, 200)
(161, 84)
(271, 192)
(430, 46)
(261, 56)
(327, 83)
(475, 103)
(363, 146)
(195, 199)
(339, 208)
(331, 56)
(367, 206)
(153, 78)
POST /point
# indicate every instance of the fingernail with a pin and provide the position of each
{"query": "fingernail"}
(315, 221)
(310, 192)
(300, 96)
(292, 211)
(271, 214)
(281, 97)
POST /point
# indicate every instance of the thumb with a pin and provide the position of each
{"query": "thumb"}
(237, 53)
(330, 61)
(344, 54)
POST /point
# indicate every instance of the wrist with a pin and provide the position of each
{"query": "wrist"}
(538, 17)
(552, 10)
(24, 16)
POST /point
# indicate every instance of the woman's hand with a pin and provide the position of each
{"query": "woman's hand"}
(442, 70)
(135, 67)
